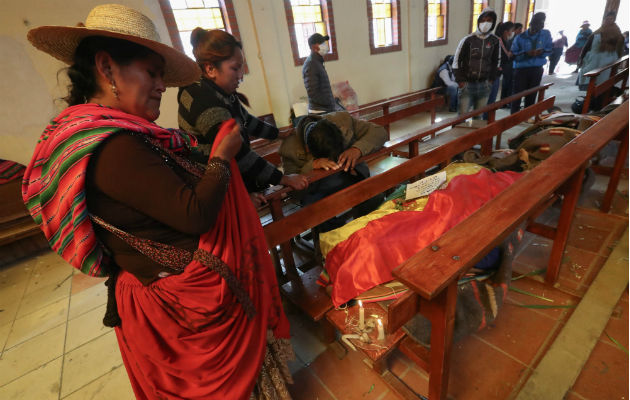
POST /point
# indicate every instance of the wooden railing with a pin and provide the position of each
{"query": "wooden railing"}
(618, 73)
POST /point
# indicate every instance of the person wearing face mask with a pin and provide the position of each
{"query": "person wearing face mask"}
(504, 31)
(320, 95)
(531, 49)
(206, 104)
(476, 63)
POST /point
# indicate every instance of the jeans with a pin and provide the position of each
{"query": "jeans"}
(556, 53)
(492, 97)
(452, 93)
(473, 94)
(526, 78)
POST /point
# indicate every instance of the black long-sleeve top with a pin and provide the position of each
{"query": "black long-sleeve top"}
(131, 186)
(203, 106)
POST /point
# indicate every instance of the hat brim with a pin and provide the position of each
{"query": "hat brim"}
(62, 41)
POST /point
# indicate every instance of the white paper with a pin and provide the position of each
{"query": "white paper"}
(425, 186)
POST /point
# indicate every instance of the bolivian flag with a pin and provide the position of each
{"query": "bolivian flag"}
(362, 254)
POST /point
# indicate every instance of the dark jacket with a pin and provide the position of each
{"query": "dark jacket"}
(477, 56)
(320, 95)
(203, 106)
(438, 81)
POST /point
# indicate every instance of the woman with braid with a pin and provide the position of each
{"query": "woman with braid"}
(205, 105)
(192, 292)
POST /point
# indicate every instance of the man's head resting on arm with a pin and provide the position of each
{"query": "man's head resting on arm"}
(323, 139)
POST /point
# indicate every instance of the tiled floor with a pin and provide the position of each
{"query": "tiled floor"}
(54, 346)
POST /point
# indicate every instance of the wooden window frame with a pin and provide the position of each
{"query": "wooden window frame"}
(229, 18)
(396, 32)
(527, 19)
(327, 15)
(438, 42)
(512, 12)
(472, 11)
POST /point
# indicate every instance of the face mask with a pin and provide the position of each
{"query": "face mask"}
(484, 27)
(511, 36)
(323, 49)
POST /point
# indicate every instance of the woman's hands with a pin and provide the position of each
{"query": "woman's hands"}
(258, 199)
(230, 144)
(297, 182)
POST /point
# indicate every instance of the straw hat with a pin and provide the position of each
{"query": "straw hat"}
(585, 23)
(116, 21)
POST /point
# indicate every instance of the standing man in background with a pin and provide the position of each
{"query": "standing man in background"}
(476, 63)
(320, 96)
(558, 48)
(530, 50)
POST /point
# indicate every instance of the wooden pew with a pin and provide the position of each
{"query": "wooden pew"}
(433, 272)
(278, 195)
(618, 73)
(302, 289)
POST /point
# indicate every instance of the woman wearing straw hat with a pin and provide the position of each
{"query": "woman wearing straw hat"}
(204, 105)
(192, 291)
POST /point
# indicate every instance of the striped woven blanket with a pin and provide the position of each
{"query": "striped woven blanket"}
(53, 187)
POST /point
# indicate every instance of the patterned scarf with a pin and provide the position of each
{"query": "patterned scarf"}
(53, 187)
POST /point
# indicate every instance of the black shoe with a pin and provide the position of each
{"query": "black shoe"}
(452, 110)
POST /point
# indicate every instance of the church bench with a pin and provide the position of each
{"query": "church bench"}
(618, 73)
(276, 196)
(301, 288)
(433, 272)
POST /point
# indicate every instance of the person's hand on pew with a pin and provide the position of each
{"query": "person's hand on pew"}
(325, 164)
(258, 199)
(297, 182)
(348, 159)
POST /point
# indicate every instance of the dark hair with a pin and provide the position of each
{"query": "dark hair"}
(503, 26)
(82, 73)
(448, 59)
(538, 17)
(325, 140)
(213, 47)
(518, 25)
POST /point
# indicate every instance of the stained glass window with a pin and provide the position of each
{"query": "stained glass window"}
(307, 20)
(190, 14)
(477, 8)
(509, 9)
(436, 20)
(530, 12)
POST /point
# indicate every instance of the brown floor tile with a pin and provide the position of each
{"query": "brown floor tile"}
(617, 326)
(605, 374)
(348, 378)
(80, 282)
(307, 387)
(573, 396)
(519, 332)
(478, 371)
(535, 287)
(417, 380)
(578, 269)
(535, 253)
(399, 364)
(590, 232)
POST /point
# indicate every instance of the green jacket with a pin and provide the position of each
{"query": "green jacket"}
(365, 136)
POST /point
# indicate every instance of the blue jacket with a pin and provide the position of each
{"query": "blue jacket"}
(526, 42)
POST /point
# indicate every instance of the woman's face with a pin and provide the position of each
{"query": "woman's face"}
(140, 87)
(229, 74)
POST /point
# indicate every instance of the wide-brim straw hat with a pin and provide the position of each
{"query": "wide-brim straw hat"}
(116, 21)
(585, 23)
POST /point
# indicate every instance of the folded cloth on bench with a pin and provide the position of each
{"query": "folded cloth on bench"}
(367, 257)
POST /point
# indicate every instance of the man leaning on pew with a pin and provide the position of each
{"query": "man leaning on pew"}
(332, 141)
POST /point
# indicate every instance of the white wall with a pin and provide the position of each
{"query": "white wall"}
(29, 83)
